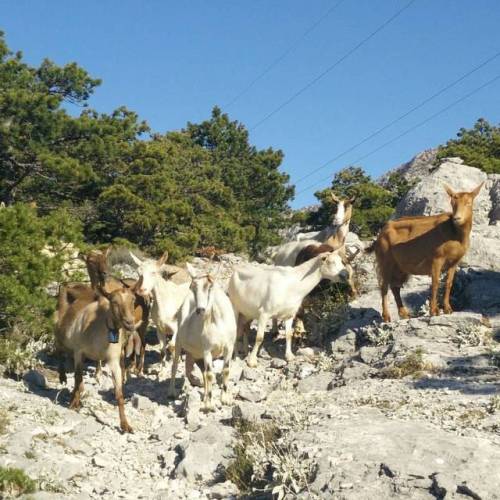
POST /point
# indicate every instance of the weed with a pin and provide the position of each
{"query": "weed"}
(4, 421)
(412, 364)
(15, 482)
(493, 405)
(267, 462)
(30, 454)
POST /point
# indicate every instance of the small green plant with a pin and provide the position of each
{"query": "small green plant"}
(412, 364)
(30, 454)
(15, 482)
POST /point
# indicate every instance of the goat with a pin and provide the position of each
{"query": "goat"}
(97, 330)
(311, 251)
(334, 235)
(264, 292)
(98, 270)
(207, 330)
(424, 245)
(168, 296)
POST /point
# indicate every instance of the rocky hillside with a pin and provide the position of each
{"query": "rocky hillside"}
(409, 409)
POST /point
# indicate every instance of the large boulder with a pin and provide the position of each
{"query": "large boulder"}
(428, 197)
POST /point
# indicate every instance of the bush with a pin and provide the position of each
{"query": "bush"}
(374, 203)
(479, 147)
(32, 251)
(267, 462)
(15, 482)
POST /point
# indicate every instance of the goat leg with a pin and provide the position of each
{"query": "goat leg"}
(437, 265)
(226, 396)
(447, 291)
(78, 389)
(261, 326)
(289, 356)
(116, 371)
(62, 368)
(208, 377)
(402, 311)
(172, 393)
(384, 290)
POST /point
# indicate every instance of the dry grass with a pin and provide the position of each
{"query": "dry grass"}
(412, 364)
(266, 463)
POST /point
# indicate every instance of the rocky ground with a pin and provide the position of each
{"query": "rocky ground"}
(409, 409)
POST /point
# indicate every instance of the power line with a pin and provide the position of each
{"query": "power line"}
(411, 129)
(399, 118)
(283, 55)
(333, 66)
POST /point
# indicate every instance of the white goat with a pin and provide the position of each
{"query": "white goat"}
(207, 330)
(168, 296)
(264, 292)
(286, 254)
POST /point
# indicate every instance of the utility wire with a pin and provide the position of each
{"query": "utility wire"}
(399, 118)
(283, 55)
(333, 66)
(411, 129)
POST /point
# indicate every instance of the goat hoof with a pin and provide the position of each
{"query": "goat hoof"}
(403, 313)
(252, 362)
(386, 318)
(75, 405)
(434, 312)
(447, 310)
(226, 399)
(125, 427)
(289, 357)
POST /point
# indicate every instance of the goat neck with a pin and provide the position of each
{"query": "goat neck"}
(310, 274)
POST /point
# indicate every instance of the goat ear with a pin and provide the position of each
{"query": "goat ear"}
(163, 259)
(352, 199)
(335, 199)
(82, 256)
(450, 191)
(191, 270)
(107, 251)
(136, 259)
(137, 284)
(124, 283)
(475, 192)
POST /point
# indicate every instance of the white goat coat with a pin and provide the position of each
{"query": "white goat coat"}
(286, 254)
(275, 291)
(214, 332)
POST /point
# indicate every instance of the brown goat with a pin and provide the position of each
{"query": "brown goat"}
(97, 330)
(424, 245)
(98, 270)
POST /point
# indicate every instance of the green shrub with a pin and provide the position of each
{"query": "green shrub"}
(479, 147)
(15, 482)
(32, 251)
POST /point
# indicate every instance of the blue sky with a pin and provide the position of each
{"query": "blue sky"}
(173, 61)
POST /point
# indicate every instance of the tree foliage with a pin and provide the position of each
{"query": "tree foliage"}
(478, 147)
(205, 185)
(32, 250)
(373, 206)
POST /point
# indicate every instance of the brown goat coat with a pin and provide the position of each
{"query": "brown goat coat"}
(97, 268)
(82, 329)
(424, 245)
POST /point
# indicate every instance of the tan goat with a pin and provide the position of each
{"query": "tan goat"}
(96, 330)
(98, 269)
(425, 245)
